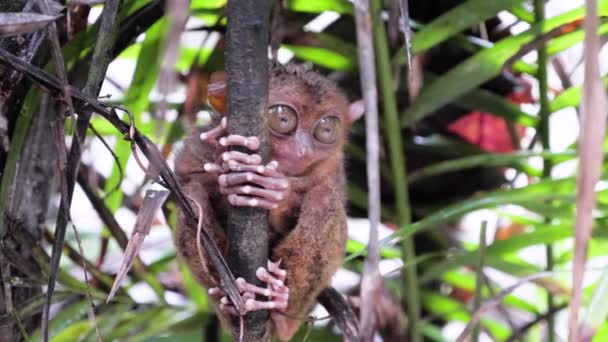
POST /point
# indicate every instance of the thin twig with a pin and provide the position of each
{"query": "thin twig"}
(114, 156)
(199, 227)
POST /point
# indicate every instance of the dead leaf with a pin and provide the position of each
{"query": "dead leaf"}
(13, 24)
(152, 201)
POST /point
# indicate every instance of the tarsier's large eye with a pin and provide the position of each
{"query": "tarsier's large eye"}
(327, 130)
(283, 119)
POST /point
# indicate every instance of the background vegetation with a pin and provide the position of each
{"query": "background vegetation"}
(468, 135)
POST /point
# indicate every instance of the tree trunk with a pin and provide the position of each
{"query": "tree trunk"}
(247, 68)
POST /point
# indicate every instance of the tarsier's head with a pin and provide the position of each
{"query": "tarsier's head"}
(308, 118)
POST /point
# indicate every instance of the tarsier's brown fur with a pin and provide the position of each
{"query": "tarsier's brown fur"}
(309, 226)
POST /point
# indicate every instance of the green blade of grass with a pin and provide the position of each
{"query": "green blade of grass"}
(465, 15)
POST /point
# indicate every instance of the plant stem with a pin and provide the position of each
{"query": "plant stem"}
(395, 147)
(539, 14)
(480, 278)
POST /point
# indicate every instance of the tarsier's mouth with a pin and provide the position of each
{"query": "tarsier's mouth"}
(301, 173)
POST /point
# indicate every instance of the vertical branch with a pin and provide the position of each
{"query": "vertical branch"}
(543, 129)
(593, 128)
(395, 146)
(247, 67)
(371, 284)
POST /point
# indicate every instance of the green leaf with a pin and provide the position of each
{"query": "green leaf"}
(137, 101)
(545, 190)
(522, 13)
(465, 15)
(570, 97)
(322, 57)
(486, 101)
(72, 333)
(602, 333)
(357, 247)
(452, 310)
(195, 291)
(107, 321)
(67, 317)
(132, 321)
(597, 311)
(318, 6)
(486, 160)
(446, 307)
(327, 51)
(207, 4)
(543, 234)
(17, 143)
(562, 43)
(433, 332)
(184, 61)
(482, 67)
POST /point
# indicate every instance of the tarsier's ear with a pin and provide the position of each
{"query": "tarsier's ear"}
(355, 111)
(216, 93)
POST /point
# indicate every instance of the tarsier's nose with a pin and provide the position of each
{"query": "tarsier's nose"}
(305, 145)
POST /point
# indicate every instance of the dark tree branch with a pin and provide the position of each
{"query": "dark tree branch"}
(247, 68)
(341, 312)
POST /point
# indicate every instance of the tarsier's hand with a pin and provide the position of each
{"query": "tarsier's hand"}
(242, 177)
(276, 291)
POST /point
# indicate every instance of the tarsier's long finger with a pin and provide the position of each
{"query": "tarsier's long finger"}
(268, 170)
(238, 178)
(214, 168)
(248, 295)
(213, 133)
(216, 292)
(254, 202)
(268, 278)
(252, 143)
(232, 157)
(254, 305)
(227, 308)
(252, 290)
(272, 196)
(275, 269)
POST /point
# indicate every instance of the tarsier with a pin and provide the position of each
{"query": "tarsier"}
(302, 187)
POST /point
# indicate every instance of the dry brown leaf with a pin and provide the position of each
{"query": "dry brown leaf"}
(152, 201)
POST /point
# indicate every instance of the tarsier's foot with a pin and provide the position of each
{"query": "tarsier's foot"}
(242, 177)
(276, 291)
